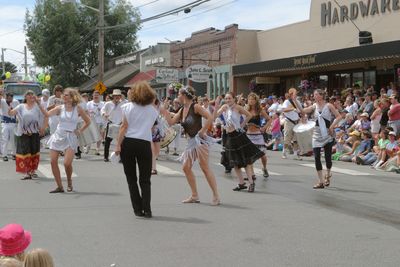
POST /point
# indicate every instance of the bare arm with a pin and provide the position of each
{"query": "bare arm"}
(338, 118)
(376, 113)
(244, 112)
(205, 114)
(54, 111)
(121, 135)
(268, 119)
(167, 115)
(85, 118)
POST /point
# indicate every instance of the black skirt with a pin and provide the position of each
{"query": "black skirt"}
(240, 151)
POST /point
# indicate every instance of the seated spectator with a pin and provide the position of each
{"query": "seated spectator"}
(10, 262)
(350, 149)
(365, 146)
(382, 143)
(356, 126)
(365, 124)
(391, 150)
(38, 258)
(13, 241)
(349, 120)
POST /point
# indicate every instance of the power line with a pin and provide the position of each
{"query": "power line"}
(188, 17)
(7, 33)
(149, 3)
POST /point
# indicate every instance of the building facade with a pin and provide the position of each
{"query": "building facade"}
(325, 51)
(218, 49)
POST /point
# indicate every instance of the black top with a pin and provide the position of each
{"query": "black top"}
(192, 123)
(385, 117)
(256, 120)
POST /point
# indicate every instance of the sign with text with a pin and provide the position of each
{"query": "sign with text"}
(268, 80)
(199, 73)
(167, 75)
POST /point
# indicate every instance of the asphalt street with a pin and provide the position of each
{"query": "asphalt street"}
(355, 222)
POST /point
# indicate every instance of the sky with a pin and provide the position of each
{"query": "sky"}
(248, 14)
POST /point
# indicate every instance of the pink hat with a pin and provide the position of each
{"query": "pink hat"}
(13, 240)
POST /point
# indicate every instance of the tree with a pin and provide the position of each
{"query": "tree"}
(63, 37)
(10, 67)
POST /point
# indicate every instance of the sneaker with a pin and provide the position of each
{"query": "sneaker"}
(228, 170)
(5, 158)
(106, 160)
(13, 157)
(240, 187)
(78, 157)
(359, 160)
(175, 154)
(265, 173)
(97, 153)
(284, 156)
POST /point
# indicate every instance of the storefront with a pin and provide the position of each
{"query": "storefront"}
(327, 53)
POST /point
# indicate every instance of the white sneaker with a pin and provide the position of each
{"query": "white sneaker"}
(284, 156)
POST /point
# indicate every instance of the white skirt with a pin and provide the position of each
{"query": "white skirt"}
(62, 140)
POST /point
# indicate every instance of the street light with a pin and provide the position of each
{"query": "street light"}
(100, 11)
(23, 53)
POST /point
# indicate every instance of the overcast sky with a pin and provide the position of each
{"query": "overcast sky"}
(249, 14)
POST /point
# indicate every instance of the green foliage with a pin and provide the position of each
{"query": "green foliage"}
(64, 37)
(10, 67)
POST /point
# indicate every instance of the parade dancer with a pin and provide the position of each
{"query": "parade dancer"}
(32, 122)
(190, 116)
(8, 125)
(322, 135)
(65, 138)
(290, 109)
(54, 101)
(94, 108)
(134, 145)
(239, 150)
(255, 131)
(112, 113)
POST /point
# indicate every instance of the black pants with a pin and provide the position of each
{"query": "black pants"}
(107, 143)
(138, 151)
(328, 156)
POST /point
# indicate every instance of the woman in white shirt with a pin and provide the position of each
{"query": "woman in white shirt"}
(65, 138)
(134, 145)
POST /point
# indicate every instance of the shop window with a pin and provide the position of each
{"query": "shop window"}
(370, 78)
(358, 79)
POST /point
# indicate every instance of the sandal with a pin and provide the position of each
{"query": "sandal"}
(70, 188)
(215, 202)
(57, 190)
(191, 200)
(240, 187)
(153, 172)
(251, 188)
(27, 177)
(318, 186)
(327, 181)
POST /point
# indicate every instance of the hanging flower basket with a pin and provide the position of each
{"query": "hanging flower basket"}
(173, 88)
(252, 85)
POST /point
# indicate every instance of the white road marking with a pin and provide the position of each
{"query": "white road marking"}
(341, 170)
(260, 172)
(45, 169)
(168, 171)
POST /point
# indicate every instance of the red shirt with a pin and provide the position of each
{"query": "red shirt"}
(394, 112)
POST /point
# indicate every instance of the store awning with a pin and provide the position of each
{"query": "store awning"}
(381, 51)
(142, 76)
(115, 77)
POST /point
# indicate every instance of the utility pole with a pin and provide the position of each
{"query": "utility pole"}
(3, 63)
(101, 41)
(26, 62)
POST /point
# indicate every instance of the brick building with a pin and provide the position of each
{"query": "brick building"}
(219, 49)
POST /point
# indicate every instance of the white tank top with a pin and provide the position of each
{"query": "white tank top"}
(68, 119)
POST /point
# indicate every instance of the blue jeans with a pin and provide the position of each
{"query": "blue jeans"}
(370, 158)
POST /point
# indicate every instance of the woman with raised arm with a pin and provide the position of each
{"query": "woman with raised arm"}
(190, 116)
(65, 138)
(323, 134)
(32, 122)
(255, 129)
(240, 151)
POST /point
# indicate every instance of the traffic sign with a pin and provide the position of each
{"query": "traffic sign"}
(100, 87)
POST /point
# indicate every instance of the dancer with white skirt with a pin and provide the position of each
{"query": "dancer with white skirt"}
(65, 138)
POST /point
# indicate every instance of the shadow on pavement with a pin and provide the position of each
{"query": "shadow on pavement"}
(352, 190)
(179, 220)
